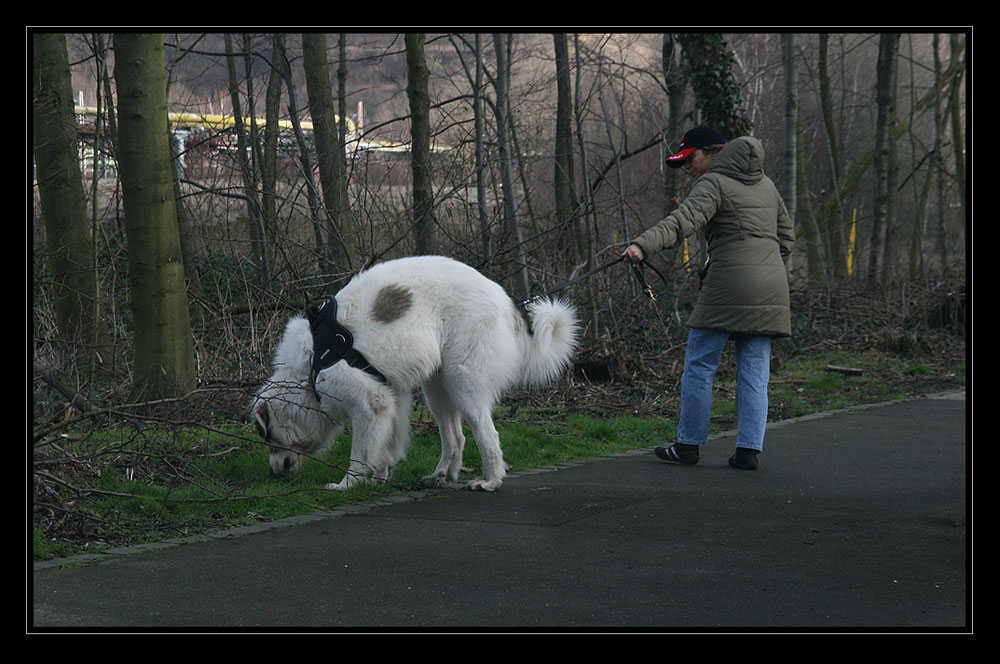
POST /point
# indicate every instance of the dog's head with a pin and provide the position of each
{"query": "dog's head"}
(286, 411)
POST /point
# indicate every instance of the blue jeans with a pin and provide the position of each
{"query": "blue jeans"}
(753, 370)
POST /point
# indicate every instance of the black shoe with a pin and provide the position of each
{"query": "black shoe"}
(686, 455)
(744, 459)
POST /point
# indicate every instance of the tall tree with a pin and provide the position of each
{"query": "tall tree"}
(942, 230)
(248, 172)
(789, 170)
(281, 64)
(675, 82)
(502, 85)
(164, 363)
(346, 214)
(566, 202)
(957, 113)
(329, 153)
(269, 149)
(590, 216)
(879, 255)
(64, 204)
(709, 63)
(477, 105)
(420, 147)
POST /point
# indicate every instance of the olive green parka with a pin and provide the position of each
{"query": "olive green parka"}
(749, 236)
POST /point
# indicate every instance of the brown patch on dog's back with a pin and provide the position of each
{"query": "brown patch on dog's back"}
(391, 304)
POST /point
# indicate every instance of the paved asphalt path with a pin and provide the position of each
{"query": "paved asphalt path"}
(855, 521)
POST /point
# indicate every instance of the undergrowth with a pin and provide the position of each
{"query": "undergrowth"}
(120, 477)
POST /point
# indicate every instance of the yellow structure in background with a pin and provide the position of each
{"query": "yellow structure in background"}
(213, 121)
(850, 250)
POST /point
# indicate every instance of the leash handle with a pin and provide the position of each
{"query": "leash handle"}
(637, 270)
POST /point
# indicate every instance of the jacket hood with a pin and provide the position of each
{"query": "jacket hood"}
(741, 159)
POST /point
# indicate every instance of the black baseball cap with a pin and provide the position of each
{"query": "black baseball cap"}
(698, 137)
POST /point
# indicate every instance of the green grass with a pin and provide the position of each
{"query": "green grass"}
(179, 483)
(128, 486)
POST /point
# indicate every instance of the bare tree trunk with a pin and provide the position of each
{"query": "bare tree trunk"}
(789, 169)
(617, 145)
(587, 202)
(269, 151)
(958, 140)
(565, 195)
(315, 207)
(328, 145)
(808, 229)
(184, 234)
(942, 231)
(420, 149)
(348, 231)
(828, 223)
(675, 81)
(64, 205)
(506, 169)
(254, 224)
(884, 140)
(477, 102)
(164, 354)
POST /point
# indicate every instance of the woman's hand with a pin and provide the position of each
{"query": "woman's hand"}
(634, 253)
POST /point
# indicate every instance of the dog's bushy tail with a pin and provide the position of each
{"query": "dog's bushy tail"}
(551, 344)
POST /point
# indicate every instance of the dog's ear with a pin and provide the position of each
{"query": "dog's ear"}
(262, 419)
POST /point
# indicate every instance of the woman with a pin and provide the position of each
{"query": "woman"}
(744, 292)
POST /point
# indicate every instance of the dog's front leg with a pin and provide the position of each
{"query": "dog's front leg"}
(372, 414)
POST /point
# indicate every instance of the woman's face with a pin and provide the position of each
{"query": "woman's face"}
(697, 163)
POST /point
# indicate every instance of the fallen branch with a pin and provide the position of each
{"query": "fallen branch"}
(75, 399)
(850, 371)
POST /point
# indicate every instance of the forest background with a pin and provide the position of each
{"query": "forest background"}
(191, 191)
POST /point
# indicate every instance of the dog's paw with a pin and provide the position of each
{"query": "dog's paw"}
(480, 484)
(382, 475)
(435, 481)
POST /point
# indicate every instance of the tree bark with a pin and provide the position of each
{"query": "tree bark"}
(164, 364)
(339, 244)
(506, 169)
(879, 256)
(305, 162)
(477, 102)
(68, 236)
(789, 169)
(254, 224)
(566, 202)
(269, 151)
(829, 229)
(420, 148)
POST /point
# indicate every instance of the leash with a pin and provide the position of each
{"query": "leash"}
(637, 270)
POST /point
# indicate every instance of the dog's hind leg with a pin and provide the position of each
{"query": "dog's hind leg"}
(488, 441)
(399, 441)
(449, 421)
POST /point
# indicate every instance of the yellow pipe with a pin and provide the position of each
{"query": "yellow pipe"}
(213, 121)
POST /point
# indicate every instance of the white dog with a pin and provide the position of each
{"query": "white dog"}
(425, 321)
